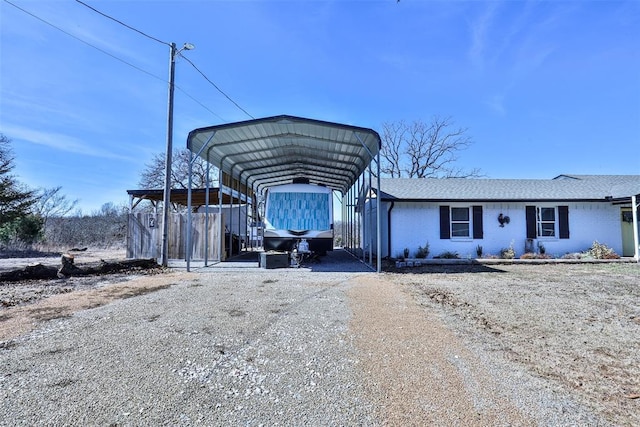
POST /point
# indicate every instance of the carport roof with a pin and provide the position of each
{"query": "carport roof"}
(275, 150)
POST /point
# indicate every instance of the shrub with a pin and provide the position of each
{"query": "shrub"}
(479, 251)
(423, 252)
(541, 249)
(531, 255)
(448, 255)
(507, 253)
(602, 251)
(22, 232)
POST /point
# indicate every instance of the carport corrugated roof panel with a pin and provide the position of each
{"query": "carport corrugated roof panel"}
(274, 150)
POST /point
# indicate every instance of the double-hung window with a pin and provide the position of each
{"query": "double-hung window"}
(461, 222)
(547, 222)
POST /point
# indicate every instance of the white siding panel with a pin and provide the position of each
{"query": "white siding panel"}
(414, 224)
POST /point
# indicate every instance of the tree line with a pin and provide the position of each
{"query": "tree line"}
(46, 216)
(418, 149)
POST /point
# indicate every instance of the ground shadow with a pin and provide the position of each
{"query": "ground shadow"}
(337, 260)
(28, 254)
(245, 257)
(445, 268)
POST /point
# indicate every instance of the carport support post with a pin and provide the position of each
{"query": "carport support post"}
(345, 219)
(354, 201)
(361, 235)
(634, 213)
(206, 213)
(246, 214)
(343, 235)
(239, 213)
(378, 216)
(370, 231)
(353, 217)
(221, 237)
(189, 231)
(350, 218)
(231, 214)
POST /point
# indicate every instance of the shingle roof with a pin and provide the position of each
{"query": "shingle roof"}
(563, 187)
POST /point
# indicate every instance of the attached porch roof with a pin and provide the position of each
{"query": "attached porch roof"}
(275, 150)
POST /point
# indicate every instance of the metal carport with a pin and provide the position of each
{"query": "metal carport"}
(258, 154)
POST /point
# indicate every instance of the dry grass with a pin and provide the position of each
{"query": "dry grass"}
(577, 325)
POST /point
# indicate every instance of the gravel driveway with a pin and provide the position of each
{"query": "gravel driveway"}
(284, 347)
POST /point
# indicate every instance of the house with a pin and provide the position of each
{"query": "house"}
(560, 215)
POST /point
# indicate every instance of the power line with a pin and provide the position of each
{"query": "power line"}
(134, 66)
(200, 103)
(85, 42)
(216, 86)
(122, 23)
(184, 57)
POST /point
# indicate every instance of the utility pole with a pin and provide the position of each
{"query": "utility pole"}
(173, 52)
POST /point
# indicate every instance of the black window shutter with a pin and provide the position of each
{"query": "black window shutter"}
(478, 233)
(445, 230)
(531, 222)
(563, 221)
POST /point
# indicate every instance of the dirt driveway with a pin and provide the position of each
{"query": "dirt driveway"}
(500, 345)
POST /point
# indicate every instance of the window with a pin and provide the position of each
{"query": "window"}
(461, 222)
(546, 222)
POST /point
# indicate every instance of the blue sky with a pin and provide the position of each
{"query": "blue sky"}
(544, 88)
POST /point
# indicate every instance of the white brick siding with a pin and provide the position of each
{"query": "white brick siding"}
(413, 224)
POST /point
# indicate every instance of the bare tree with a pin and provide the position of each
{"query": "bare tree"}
(153, 174)
(424, 150)
(393, 137)
(52, 203)
(104, 227)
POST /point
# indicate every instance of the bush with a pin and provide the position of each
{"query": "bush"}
(21, 232)
(507, 253)
(601, 251)
(531, 255)
(423, 252)
(541, 249)
(448, 255)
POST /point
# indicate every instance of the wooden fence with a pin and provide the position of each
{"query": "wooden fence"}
(144, 236)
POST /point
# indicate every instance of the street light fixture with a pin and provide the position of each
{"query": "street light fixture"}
(167, 176)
